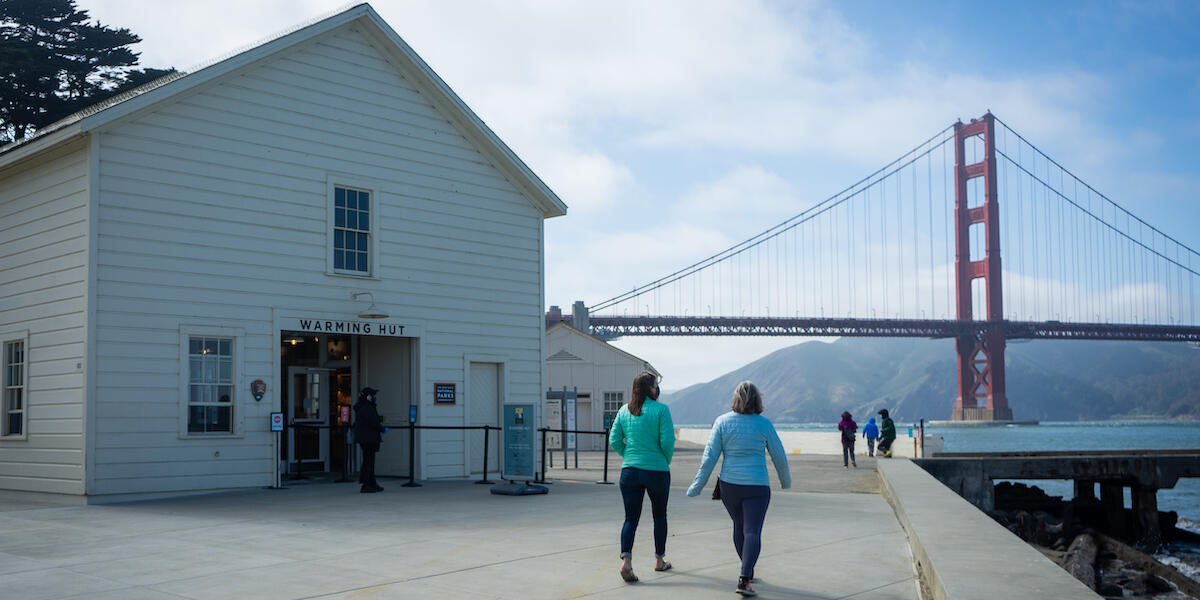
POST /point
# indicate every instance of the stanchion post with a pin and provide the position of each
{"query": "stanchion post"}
(485, 455)
(605, 480)
(412, 456)
(543, 477)
(577, 440)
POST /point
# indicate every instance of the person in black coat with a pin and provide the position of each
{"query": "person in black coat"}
(368, 432)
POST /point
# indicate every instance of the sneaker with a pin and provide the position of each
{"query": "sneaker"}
(845, 466)
(855, 465)
(743, 587)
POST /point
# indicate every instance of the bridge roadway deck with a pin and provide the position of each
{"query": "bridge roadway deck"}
(833, 536)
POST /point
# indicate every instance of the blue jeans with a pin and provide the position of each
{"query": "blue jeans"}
(747, 506)
(635, 485)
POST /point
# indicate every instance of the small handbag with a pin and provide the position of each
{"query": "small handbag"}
(717, 490)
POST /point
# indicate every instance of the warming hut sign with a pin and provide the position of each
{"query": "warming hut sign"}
(345, 327)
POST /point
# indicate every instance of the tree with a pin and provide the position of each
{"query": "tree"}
(53, 62)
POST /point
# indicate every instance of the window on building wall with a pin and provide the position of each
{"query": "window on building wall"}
(14, 389)
(612, 404)
(351, 231)
(210, 385)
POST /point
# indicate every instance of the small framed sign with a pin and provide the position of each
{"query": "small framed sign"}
(444, 393)
(276, 421)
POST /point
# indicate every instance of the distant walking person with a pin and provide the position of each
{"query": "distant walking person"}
(848, 427)
(887, 434)
(871, 433)
(744, 436)
(368, 432)
(644, 436)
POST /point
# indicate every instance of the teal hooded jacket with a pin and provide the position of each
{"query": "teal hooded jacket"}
(646, 441)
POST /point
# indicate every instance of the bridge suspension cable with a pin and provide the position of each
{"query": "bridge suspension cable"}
(884, 248)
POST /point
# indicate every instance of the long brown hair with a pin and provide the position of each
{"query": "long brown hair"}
(645, 384)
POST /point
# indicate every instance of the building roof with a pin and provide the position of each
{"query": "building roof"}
(558, 355)
(389, 42)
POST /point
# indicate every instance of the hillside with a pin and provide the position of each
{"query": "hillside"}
(1049, 380)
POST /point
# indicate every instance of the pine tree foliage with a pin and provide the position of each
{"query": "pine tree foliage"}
(54, 62)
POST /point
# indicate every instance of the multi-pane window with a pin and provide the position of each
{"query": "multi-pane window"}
(14, 388)
(612, 404)
(210, 385)
(351, 230)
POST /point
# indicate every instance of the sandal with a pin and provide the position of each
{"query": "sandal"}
(628, 576)
(666, 566)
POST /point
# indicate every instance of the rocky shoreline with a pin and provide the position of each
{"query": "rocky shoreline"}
(1076, 537)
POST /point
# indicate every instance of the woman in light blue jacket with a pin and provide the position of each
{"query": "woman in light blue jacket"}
(743, 436)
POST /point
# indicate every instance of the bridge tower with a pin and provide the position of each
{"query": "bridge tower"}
(981, 393)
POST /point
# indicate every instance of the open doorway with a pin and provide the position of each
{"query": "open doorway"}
(318, 375)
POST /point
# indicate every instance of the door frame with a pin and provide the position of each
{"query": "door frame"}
(502, 399)
(323, 434)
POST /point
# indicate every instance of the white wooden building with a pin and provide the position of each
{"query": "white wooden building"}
(318, 213)
(600, 374)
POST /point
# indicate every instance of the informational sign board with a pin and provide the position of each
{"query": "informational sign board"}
(519, 442)
(276, 421)
(444, 393)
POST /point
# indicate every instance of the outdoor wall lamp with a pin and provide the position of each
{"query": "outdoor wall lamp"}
(371, 312)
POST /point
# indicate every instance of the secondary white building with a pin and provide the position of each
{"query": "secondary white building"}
(315, 214)
(600, 374)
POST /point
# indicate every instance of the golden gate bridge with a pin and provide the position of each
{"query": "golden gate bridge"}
(914, 250)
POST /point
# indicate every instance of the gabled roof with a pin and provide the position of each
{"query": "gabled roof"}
(596, 340)
(385, 38)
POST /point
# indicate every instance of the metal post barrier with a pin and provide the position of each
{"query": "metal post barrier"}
(485, 456)
(922, 437)
(605, 480)
(542, 477)
(577, 440)
(412, 456)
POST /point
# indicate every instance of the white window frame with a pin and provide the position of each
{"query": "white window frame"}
(332, 182)
(604, 403)
(237, 416)
(14, 337)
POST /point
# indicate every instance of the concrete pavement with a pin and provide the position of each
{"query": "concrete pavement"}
(833, 536)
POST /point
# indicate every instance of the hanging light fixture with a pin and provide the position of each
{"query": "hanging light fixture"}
(371, 312)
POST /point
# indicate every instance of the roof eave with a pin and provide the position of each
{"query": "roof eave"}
(537, 190)
(46, 142)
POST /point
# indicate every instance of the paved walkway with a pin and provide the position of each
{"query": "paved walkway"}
(452, 540)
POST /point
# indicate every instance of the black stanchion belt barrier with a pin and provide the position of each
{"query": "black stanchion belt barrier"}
(546, 430)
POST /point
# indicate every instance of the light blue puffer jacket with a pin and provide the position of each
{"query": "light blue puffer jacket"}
(745, 440)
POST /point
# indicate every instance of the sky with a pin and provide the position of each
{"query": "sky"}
(675, 129)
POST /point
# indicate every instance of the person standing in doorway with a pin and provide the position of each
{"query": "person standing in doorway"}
(644, 436)
(887, 434)
(744, 436)
(848, 428)
(871, 433)
(368, 431)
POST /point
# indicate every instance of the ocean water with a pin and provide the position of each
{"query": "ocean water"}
(1184, 498)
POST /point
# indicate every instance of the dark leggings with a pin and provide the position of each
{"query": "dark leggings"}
(747, 506)
(636, 484)
(848, 452)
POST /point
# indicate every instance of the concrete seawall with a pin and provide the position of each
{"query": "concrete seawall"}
(960, 552)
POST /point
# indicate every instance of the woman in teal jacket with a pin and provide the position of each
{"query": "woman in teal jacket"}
(644, 436)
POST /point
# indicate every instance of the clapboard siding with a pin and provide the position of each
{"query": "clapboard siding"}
(212, 211)
(43, 291)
